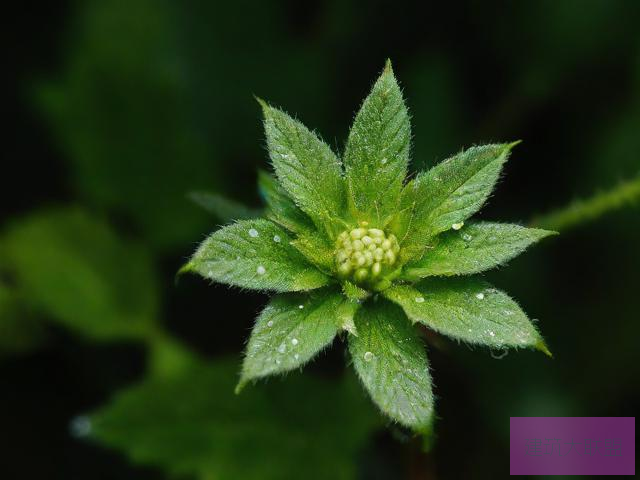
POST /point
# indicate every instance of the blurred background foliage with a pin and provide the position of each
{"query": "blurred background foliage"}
(118, 111)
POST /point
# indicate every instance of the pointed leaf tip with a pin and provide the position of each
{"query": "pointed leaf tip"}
(239, 387)
(264, 105)
(388, 68)
(513, 144)
(544, 349)
(186, 268)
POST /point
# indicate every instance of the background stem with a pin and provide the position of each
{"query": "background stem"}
(583, 211)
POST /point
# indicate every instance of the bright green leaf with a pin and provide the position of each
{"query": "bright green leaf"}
(255, 254)
(453, 190)
(474, 248)
(192, 425)
(391, 362)
(280, 207)
(345, 315)
(315, 248)
(307, 168)
(354, 292)
(467, 309)
(223, 208)
(77, 270)
(289, 332)
(377, 151)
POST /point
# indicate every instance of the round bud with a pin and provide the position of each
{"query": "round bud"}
(363, 254)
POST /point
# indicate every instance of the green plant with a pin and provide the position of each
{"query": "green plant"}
(350, 245)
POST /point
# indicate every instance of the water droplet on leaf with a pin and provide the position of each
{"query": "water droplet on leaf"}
(368, 356)
(261, 270)
(253, 233)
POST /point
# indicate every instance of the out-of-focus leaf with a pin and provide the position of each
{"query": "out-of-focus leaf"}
(474, 248)
(80, 273)
(193, 424)
(290, 331)
(377, 151)
(223, 208)
(467, 309)
(121, 115)
(20, 330)
(255, 254)
(392, 364)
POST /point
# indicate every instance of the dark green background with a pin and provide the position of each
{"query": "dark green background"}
(119, 109)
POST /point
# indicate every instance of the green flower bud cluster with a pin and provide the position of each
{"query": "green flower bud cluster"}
(364, 253)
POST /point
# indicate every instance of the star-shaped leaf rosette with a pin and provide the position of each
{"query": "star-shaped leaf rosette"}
(351, 245)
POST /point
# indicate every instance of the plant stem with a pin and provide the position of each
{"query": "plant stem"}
(583, 211)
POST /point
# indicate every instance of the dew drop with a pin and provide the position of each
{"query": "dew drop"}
(419, 299)
(261, 270)
(368, 356)
(80, 426)
(282, 348)
(270, 323)
(253, 233)
(276, 238)
(300, 306)
(296, 356)
(480, 296)
(383, 161)
(466, 237)
(492, 334)
(294, 341)
(457, 226)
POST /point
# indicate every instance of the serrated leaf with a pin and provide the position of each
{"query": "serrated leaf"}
(305, 166)
(192, 425)
(392, 364)
(280, 207)
(476, 247)
(290, 331)
(354, 292)
(453, 190)
(377, 150)
(467, 309)
(255, 254)
(82, 274)
(315, 247)
(345, 316)
(223, 208)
